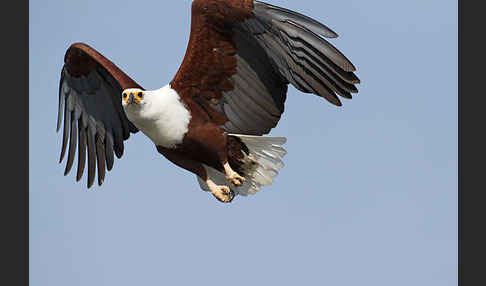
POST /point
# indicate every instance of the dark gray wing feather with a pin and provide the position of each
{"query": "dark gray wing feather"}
(275, 47)
(90, 104)
(282, 15)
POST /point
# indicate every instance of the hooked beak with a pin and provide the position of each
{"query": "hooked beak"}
(130, 97)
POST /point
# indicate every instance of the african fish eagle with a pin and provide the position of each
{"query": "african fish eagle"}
(229, 91)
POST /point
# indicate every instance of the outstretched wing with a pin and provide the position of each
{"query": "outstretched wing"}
(242, 54)
(90, 102)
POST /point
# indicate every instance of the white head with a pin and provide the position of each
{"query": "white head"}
(133, 98)
(160, 114)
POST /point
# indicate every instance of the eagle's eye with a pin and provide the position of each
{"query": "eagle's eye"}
(125, 95)
(140, 94)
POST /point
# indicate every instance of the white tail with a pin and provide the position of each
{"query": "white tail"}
(260, 166)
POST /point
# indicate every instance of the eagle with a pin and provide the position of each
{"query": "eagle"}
(210, 119)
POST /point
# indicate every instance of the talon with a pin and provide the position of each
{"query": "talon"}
(234, 178)
(223, 193)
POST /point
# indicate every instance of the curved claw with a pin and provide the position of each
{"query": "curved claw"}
(223, 193)
(235, 179)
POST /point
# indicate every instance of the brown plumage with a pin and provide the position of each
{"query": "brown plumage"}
(241, 56)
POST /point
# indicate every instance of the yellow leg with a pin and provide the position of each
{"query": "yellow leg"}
(222, 193)
(234, 178)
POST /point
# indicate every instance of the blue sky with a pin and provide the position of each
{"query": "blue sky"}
(368, 195)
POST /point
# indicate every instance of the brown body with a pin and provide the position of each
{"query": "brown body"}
(207, 143)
